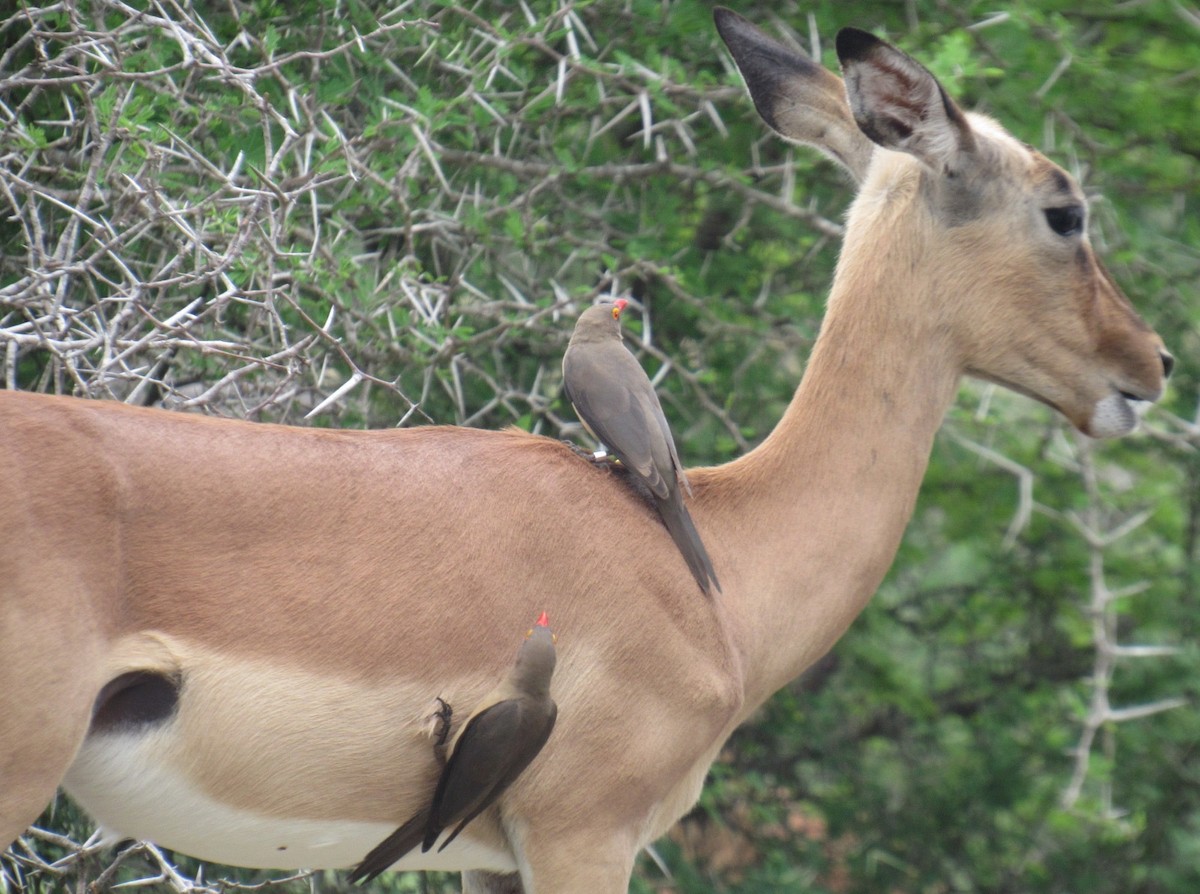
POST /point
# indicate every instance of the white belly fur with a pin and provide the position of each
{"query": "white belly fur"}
(131, 796)
(262, 764)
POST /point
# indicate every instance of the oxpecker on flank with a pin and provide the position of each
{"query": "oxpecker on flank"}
(504, 732)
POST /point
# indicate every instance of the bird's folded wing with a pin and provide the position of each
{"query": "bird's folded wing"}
(625, 425)
(481, 758)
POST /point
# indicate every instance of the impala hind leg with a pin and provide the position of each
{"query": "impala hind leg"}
(45, 705)
(37, 744)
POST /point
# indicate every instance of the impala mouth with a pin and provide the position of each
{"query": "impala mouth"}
(1142, 398)
(1117, 413)
(1120, 412)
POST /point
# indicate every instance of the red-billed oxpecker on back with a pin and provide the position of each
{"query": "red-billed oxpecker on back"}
(615, 401)
(502, 736)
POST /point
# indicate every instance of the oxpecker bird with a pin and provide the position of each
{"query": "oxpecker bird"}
(502, 735)
(615, 401)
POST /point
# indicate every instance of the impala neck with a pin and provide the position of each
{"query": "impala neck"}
(816, 512)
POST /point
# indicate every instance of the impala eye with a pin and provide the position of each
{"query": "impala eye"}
(1066, 221)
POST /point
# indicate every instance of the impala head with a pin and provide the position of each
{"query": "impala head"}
(960, 224)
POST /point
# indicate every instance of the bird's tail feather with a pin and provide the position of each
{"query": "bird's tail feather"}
(683, 531)
(391, 849)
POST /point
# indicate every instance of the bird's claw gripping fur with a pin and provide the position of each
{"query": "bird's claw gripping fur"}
(598, 458)
(443, 716)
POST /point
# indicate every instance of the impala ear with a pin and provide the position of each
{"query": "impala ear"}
(898, 104)
(799, 98)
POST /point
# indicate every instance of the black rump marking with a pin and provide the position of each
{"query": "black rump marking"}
(136, 698)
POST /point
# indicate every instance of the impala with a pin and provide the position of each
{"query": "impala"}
(228, 637)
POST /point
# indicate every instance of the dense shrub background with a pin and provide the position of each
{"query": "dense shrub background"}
(331, 212)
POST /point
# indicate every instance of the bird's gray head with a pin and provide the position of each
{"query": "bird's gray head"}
(600, 321)
(535, 661)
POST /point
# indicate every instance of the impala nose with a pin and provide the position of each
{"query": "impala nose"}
(1168, 363)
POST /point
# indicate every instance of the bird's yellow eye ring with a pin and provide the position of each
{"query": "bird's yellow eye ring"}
(616, 312)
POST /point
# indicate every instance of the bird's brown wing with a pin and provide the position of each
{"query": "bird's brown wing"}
(666, 458)
(614, 398)
(490, 754)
